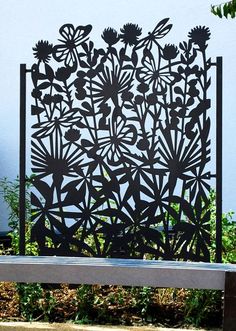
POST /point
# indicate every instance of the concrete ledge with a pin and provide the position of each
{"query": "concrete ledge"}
(74, 270)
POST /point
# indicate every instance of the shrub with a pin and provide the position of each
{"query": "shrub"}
(10, 192)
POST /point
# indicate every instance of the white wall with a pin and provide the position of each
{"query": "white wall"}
(24, 22)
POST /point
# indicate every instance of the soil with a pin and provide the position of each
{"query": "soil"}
(112, 305)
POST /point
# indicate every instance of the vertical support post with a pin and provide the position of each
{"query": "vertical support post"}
(219, 159)
(22, 170)
(229, 322)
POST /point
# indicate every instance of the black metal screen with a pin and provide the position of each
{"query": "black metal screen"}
(121, 147)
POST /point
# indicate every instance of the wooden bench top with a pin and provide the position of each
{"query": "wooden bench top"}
(107, 271)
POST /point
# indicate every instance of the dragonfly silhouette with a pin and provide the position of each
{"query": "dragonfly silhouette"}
(159, 32)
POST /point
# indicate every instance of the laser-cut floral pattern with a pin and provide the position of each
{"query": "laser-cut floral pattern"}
(121, 144)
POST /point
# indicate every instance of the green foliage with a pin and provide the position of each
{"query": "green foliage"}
(225, 9)
(85, 298)
(49, 303)
(142, 299)
(228, 238)
(35, 302)
(202, 307)
(10, 192)
(30, 298)
(228, 233)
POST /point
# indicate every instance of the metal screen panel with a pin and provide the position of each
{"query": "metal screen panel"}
(121, 144)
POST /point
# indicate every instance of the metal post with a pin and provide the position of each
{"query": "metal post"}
(229, 323)
(22, 175)
(218, 159)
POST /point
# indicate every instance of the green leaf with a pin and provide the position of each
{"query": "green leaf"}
(218, 12)
(226, 10)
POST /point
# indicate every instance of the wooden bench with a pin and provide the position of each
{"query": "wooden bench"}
(105, 271)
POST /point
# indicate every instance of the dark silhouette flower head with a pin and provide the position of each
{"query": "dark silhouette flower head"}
(72, 135)
(105, 109)
(110, 36)
(79, 83)
(152, 99)
(47, 99)
(57, 98)
(143, 88)
(170, 52)
(80, 93)
(110, 84)
(36, 93)
(199, 35)
(63, 73)
(127, 96)
(130, 33)
(43, 51)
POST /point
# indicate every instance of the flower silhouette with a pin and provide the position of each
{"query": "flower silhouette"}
(170, 52)
(45, 163)
(130, 33)
(43, 51)
(110, 84)
(72, 135)
(198, 181)
(47, 99)
(63, 73)
(110, 36)
(199, 36)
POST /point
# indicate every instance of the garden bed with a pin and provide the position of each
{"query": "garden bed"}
(114, 305)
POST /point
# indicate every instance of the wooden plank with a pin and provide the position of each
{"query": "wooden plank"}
(83, 270)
